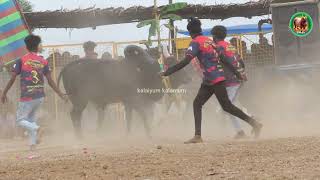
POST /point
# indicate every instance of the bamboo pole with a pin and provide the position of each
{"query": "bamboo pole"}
(238, 46)
(175, 40)
(241, 49)
(165, 80)
(55, 78)
(172, 34)
(114, 50)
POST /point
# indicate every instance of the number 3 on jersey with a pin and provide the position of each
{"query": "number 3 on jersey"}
(35, 77)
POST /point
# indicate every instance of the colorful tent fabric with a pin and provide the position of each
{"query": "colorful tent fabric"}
(13, 30)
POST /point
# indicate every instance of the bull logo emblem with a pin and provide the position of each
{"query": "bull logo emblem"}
(301, 24)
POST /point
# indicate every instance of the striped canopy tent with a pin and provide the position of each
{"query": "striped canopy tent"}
(13, 30)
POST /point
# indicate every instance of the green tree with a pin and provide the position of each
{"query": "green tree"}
(25, 5)
(166, 12)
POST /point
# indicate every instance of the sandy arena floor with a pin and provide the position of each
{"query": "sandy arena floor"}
(283, 158)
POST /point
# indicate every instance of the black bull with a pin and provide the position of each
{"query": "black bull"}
(111, 81)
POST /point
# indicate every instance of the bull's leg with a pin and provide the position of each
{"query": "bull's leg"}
(168, 103)
(128, 113)
(76, 114)
(188, 108)
(101, 113)
(143, 114)
(166, 107)
(150, 118)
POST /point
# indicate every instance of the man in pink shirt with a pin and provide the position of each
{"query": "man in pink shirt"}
(32, 69)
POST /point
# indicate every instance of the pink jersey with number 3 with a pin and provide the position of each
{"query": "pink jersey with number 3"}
(31, 69)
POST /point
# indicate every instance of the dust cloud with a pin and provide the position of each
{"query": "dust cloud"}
(284, 101)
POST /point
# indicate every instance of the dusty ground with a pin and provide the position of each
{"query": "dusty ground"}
(289, 148)
(286, 158)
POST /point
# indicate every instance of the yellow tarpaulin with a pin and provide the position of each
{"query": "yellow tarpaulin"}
(183, 43)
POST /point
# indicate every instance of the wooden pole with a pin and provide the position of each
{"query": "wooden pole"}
(241, 48)
(114, 50)
(165, 80)
(55, 78)
(172, 35)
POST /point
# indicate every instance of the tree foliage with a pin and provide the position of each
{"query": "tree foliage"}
(166, 12)
(25, 5)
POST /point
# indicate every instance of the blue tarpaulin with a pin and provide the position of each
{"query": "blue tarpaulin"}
(241, 29)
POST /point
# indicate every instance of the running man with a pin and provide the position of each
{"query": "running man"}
(31, 68)
(232, 83)
(205, 50)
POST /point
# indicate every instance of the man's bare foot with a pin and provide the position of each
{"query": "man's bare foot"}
(257, 129)
(195, 139)
(240, 135)
(33, 147)
(39, 135)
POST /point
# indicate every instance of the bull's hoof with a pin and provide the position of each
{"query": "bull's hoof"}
(240, 135)
(256, 131)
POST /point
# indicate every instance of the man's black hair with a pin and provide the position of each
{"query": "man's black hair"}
(219, 32)
(90, 45)
(32, 42)
(194, 26)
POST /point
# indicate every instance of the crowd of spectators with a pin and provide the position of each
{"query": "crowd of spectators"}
(260, 53)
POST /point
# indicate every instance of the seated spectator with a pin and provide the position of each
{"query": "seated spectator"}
(75, 57)
(263, 42)
(66, 55)
(262, 52)
(57, 57)
(233, 42)
(254, 50)
(244, 49)
(120, 58)
(106, 56)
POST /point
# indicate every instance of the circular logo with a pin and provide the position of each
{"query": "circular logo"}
(301, 24)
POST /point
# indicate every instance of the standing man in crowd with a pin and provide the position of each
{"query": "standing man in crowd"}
(205, 50)
(89, 48)
(32, 68)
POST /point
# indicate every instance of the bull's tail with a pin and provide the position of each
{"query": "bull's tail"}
(63, 72)
(59, 79)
